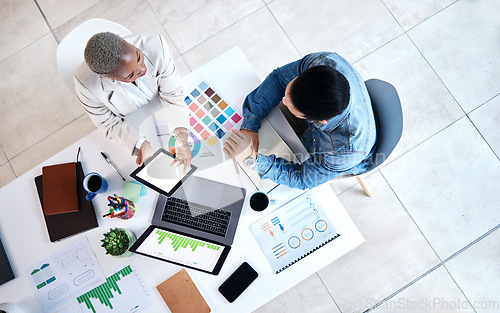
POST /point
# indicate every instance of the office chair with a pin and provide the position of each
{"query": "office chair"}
(70, 50)
(389, 124)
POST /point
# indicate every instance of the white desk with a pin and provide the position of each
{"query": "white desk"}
(26, 241)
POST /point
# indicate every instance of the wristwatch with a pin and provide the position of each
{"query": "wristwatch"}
(249, 162)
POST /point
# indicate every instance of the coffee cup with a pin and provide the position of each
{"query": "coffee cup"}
(259, 201)
(94, 183)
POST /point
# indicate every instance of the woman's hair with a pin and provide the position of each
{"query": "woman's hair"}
(103, 52)
(320, 93)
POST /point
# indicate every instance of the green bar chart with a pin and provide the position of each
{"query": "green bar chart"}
(179, 241)
(123, 290)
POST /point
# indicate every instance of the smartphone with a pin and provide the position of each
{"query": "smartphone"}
(239, 280)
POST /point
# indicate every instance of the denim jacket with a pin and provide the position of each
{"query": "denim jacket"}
(342, 146)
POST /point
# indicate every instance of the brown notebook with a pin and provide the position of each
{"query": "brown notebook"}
(60, 226)
(181, 295)
(59, 189)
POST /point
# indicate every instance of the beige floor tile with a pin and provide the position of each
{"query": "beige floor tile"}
(181, 66)
(261, 51)
(449, 185)
(410, 13)
(435, 293)
(59, 12)
(487, 118)
(477, 272)
(464, 49)
(136, 15)
(52, 144)
(394, 253)
(308, 296)
(352, 28)
(6, 174)
(21, 24)
(3, 157)
(427, 105)
(190, 23)
(35, 103)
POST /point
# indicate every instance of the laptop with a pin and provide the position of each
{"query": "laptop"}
(195, 219)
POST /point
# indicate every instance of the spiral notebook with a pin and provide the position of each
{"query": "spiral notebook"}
(293, 231)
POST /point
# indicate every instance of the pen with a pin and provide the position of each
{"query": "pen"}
(112, 165)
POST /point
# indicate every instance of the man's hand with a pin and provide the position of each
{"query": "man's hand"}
(254, 137)
(238, 146)
(182, 151)
(144, 153)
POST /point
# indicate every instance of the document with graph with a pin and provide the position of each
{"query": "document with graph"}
(293, 231)
(58, 278)
(123, 291)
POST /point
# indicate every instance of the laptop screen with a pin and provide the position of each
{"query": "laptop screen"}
(180, 249)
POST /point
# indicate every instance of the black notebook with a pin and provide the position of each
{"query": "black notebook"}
(60, 226)
(6, 272)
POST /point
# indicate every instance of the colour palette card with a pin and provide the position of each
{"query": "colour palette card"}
(211, 117)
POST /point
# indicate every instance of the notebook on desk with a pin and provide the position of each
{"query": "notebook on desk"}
(6, 272)
(194, 223)
(63, 225)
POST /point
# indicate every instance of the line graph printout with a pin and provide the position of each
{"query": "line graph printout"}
(181, 249)
(124, 292)
(64, 274)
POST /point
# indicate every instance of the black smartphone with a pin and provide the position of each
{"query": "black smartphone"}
(239, 280)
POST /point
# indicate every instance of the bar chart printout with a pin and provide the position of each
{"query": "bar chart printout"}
(181, 249)
(123, 291)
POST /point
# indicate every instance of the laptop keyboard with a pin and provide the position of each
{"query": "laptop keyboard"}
(181, 212)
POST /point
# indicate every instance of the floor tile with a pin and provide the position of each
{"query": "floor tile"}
(394, 253)
(136, 15)
(59, 12)
(3, 157)
(487, 118)
(52, 144)
(260, 50)
(6, 174)
(410, 13)
(353, 28)
(434, 293)
(477, 272)
(308, 296)
(427, 105)
(449, 185)
(182, 67)
(190, 23)
(464, 49)
(35, 105)
(21, 23)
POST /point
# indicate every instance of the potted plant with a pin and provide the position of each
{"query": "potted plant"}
(117, 242)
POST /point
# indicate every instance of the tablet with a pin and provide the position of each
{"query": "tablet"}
(181, 249)
(158, 174)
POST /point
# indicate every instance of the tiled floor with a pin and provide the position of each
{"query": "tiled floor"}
(431, 230)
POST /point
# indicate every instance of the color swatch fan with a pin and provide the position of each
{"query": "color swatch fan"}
(210, 119)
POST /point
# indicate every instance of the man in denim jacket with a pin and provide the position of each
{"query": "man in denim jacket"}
(325, 100)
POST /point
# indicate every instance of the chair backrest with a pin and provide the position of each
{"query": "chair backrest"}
(70, 50)
(388, 119)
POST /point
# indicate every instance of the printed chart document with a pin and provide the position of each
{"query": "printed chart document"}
(124, 291)
(62, 276)
(270, 142)
(293, 231)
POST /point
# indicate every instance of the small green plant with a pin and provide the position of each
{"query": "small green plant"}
(116, 242)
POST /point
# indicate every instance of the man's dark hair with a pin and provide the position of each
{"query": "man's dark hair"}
(320, 93)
